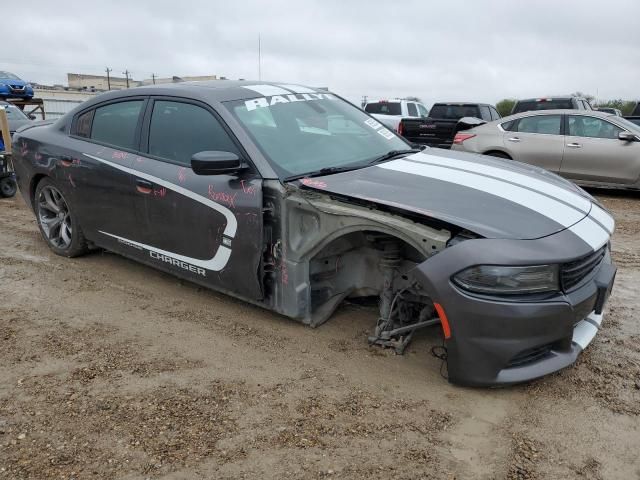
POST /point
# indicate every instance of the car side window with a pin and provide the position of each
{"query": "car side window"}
(413, 111)
(543, 124)
(178, 130)
(485, 113)
(591, 127)
(115, 124)
(509, 126)
(83, 124)
(423, 111)
(494, 114)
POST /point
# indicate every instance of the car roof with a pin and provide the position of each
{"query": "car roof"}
(463, 104)
(550, 97)
(212, 90)
(566, 111)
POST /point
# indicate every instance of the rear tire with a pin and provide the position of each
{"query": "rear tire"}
(499, 155)
(8, 187)
(57, 222)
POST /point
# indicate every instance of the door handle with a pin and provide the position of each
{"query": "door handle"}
(514, 139)
(574, 145)
(144, 186)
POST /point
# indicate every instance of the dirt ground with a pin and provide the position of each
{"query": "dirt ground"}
(113, 370)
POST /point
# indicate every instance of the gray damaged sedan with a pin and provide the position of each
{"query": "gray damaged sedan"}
(295, 200)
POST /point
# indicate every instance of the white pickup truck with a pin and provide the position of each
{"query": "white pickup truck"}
(390, 112)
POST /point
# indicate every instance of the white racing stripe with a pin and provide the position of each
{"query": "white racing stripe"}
(590, 232)
(217, 263)
(298, 89)
(602, 217)
(550, 208)
(267, 90)
(541, 186)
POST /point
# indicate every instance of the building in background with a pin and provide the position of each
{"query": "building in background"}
(99, 82)
(175, 79)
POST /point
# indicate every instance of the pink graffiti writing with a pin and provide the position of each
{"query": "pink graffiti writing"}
(222, 197)
(159, 192)
(38, 157)
(139, 159)
(247, 189)
(182, 174)
(23, 148)
(118, 155)
(73, 184)
(310, 182)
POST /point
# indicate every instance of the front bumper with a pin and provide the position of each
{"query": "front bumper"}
(501, 341)
(6, 91)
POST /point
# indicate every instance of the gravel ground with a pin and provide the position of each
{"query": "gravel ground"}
(112, 370)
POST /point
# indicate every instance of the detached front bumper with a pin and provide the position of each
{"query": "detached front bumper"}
(506, 340)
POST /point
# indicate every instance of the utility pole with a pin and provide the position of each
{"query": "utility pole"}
(126, 74)
(108, 70)
(259, 59)
(153, 78)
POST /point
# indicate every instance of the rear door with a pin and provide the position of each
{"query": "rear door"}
(593, 152)
(207, 228)
(537, 140)
(95, 169)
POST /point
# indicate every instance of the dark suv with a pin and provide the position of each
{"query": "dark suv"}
(568, 102)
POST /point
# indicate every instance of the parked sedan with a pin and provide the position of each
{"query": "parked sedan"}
(293, 199)
(589, 147)
(16, 117)
(12, 86)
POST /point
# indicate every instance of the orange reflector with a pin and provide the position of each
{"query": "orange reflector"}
(443, 319)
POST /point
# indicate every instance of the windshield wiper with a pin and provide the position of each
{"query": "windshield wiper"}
(323, 171)
(393, 154)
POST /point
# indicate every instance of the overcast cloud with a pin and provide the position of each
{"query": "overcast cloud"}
(481, 50)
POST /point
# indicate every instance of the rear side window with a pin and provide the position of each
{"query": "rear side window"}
(485, 113)
(116, 124)
(494, 114)
(423, 111)
(83, 124)
(411, 108)
(178, 130)
(384, 108)
(545, 124)
(509, 126)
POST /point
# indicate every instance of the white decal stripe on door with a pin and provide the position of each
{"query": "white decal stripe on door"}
(590, 232)
(232, 224)
(267, 90)
(541, 186)
(550, 208)
(221, 257)
(217, 263)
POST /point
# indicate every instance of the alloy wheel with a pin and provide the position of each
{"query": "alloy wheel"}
(54, 217)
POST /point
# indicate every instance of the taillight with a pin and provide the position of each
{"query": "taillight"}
(400, 128)
(461, 137)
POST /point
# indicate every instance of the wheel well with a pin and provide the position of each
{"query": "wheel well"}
(498, 153)
(357, 264)
(32, 188)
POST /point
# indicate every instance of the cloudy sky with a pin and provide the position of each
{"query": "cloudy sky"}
(480, 50)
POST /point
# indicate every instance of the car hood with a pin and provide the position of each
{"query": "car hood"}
(491, 197)
(11, 81)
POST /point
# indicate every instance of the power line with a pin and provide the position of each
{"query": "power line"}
(108, 70)
(126, 75)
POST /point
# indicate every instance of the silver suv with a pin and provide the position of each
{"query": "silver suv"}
(568, 102)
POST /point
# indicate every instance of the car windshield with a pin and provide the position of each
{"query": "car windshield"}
(384, 108)
(628, 125)
(13, 112)
(9, 75)
(307, 132)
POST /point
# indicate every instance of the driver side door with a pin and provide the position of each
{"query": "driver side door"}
(206, 228)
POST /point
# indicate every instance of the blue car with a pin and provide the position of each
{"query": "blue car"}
(11, 86)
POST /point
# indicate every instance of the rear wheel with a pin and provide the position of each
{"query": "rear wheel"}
(499, 155)
(8, 187)
(57, 222)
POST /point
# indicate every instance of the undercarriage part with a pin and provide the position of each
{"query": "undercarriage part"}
(402, 311)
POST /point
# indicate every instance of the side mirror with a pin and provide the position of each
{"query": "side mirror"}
(627, 137)
(32, 116)
(216, 163)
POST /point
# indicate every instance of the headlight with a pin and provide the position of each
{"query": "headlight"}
(495, 279)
